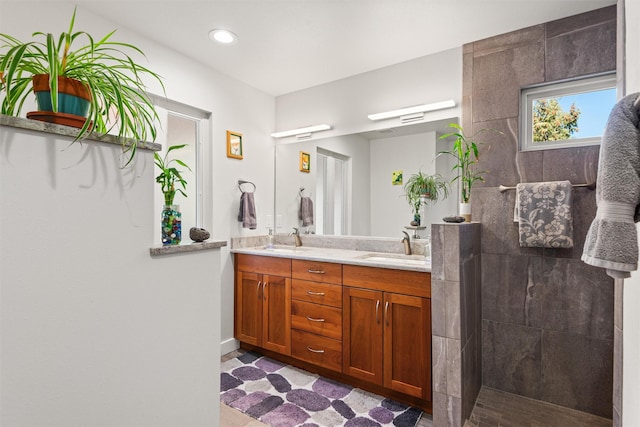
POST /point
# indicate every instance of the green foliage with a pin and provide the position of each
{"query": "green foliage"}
(551, 122)
(428, 188)
(465, 151)
(169, 175)
(114, 78)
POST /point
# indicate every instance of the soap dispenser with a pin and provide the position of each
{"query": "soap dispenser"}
(270, 238)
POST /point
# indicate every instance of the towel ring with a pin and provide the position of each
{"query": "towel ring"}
(240, 182)
(301, 192)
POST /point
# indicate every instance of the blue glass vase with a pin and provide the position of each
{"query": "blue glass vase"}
(171, 225)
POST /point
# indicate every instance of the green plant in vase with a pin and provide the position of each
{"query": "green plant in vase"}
(171, 181)
(96, 86)
(465, 151)
(424, 188)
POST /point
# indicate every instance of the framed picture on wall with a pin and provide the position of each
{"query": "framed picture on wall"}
(305, 162)
(234, 145)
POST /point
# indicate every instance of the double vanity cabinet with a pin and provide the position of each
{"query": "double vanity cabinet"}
(361, 324)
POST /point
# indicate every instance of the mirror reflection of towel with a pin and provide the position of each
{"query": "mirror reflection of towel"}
(305, 214)
(247, 212)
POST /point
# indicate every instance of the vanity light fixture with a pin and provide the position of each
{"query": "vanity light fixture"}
(223, 36)
(301, 132)
(413, 113)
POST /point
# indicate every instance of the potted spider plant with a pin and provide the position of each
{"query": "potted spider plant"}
(465, 151)
(422, 188)
(92, 84)
(171, 182)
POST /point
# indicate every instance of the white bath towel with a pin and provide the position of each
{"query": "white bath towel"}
(612, 241)
(543, 212)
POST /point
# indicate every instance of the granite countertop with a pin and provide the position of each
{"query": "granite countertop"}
(343, 256)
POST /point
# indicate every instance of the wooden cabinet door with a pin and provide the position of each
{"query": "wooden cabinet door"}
(248, 324)
(276, 314)
(362, 334)
(407, 344)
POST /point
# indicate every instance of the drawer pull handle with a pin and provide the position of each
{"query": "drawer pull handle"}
(258, 290)
(314, 320)
(321, 294)
(311, 270)
(377, 311)
(314, 350)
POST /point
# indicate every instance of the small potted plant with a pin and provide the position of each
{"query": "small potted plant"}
(82, 85)
(465, 151)
(424, 188)
(171, 181)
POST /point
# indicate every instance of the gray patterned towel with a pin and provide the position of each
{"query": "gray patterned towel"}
(543, 211)
(612, 239)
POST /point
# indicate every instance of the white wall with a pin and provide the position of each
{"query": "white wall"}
(631, 314)
(390, 212)
(289, 179)
(345, 104)
(234, 106)
(95, 331)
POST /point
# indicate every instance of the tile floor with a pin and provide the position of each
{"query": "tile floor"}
(493, 409)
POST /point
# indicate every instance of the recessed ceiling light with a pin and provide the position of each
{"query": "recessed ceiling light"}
(223, 36)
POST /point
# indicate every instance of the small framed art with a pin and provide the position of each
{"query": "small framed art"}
(234, 145)
(305, 162)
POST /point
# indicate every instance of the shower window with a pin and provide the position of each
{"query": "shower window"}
(565, 114)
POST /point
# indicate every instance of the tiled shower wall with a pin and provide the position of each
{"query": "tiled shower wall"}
(547, 318)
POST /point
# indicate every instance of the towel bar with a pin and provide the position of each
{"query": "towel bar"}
(590, 186)
(240, 182)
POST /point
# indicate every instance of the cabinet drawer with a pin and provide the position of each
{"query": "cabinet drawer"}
(264, 264)
(406, 282)
(319, 319)
(316, 292)
(315, 349)
(317, 271)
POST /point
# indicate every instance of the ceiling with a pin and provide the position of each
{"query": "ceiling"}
(289, 45)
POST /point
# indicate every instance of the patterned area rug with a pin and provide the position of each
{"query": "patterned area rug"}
(284, 396)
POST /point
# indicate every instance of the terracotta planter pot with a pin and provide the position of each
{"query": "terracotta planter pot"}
(74, 99)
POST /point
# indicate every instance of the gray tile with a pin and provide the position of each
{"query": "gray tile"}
(508, 293)
(437, 251)
(454, 368)
(438, 304)
(494, 210)
(509, 40)
(617, 369)
(451, 252)
(565, 360)
(439, 364)
(471, 376)
(571, 296)
(452, 310)
(618, 303)
(511, 358)
(570, 54)
(498, 77)
(573, 23)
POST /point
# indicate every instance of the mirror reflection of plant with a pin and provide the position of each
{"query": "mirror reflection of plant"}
(170, 176)
(102, 65)
(422, 187)
(465, 151)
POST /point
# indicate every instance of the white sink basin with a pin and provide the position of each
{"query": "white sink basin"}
(396, 259)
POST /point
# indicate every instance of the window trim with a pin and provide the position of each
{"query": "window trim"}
(555, 89)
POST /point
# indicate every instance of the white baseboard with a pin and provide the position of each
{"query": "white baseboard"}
(227, 346)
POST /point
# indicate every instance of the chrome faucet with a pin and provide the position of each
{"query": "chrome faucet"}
(407, 243)
(296, 237)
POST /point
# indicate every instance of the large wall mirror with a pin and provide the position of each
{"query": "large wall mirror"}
(350, 181)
